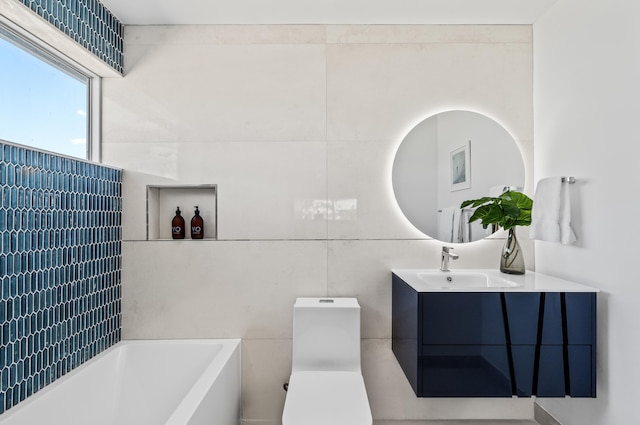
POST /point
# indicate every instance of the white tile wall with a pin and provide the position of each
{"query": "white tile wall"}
(287, 120)
(266, 366)
(262, 187)
(405, 83)
(191, 289)
(361, 170)
(211, 92)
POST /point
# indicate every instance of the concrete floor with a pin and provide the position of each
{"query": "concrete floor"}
(449, 422)
(456, 422)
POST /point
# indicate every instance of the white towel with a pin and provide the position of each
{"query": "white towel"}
(567, 235)
(465, 226)
(551, 213)
(457, 227)
(471, 232)
(445, 224)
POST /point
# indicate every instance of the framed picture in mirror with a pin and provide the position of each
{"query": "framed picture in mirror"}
(460, 166)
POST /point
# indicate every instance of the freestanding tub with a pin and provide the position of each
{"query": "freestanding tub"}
(168, 382)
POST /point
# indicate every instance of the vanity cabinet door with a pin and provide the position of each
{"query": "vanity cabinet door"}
(522, 310)
(465, 371)
(464, 351)
(450, 318)
(551, 338)
(581, 309)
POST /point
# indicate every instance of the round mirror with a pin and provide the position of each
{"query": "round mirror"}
(447, 159)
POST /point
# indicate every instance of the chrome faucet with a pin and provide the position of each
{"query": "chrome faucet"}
(446, 254)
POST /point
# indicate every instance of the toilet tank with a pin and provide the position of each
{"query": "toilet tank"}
(326, 334)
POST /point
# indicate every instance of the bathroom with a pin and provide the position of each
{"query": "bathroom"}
(281, 116)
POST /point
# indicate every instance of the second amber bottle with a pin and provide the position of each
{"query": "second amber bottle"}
(197, 225)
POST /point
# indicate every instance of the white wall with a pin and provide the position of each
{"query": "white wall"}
(279, 116)
(587, 108)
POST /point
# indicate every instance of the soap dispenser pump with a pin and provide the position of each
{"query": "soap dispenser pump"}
(197, 225)
(177, 225)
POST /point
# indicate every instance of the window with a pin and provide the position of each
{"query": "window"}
(44, 102)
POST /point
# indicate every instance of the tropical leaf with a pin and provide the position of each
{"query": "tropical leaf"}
(477, 202)
(508, 210)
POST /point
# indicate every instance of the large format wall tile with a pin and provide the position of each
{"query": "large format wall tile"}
(408, 82)
(214, 289)
(266, 190)
(225, 34)
(212, 92)
(427, 34)
(263, 393)
(359, 173)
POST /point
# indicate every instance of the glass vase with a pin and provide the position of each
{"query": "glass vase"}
(512, 259)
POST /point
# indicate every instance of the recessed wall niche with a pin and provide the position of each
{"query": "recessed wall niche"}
(161, 208)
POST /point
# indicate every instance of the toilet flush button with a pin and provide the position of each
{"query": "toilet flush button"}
(325, 301)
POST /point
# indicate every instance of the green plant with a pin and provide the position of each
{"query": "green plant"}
(507, 210)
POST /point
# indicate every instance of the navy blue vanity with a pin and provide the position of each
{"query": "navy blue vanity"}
(535, 337)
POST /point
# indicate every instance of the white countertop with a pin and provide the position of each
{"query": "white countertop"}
(528, 282)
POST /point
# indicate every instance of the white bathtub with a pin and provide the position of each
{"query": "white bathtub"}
(169, 382)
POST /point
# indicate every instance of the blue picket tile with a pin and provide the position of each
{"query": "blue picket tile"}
(59, 266)
(88, 23)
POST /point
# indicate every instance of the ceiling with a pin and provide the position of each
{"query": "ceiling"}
(172, 12)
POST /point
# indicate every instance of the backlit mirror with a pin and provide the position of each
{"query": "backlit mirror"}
(449, 158)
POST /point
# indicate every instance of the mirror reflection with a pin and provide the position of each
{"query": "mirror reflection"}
(449, 158)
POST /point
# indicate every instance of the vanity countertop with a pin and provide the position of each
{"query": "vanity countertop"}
(498, 282)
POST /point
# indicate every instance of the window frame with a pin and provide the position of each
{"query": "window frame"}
(26, 41)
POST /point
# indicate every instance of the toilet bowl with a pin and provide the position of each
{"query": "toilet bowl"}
(326, 385)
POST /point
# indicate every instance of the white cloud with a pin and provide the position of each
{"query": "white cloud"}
(81, 112)
(79, 141)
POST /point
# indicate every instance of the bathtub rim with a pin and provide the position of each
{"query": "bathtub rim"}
(229, 346)
(198, 391)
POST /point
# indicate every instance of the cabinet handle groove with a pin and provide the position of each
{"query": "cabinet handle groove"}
(536, 362)
(565, 343)
(507, 335)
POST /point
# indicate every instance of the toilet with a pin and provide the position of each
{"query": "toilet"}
(326, 385)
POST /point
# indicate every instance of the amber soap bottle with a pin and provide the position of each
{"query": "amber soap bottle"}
(197, 226)
(177, 225)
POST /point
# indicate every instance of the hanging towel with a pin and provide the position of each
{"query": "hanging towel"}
(567, 235)
(457, 227)
(470, 232)
(551, 213)
(445, 224)
(465, 226)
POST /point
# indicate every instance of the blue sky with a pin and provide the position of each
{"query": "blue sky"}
(40, 105)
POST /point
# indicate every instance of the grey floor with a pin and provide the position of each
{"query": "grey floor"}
(455, 422)
(451, 422)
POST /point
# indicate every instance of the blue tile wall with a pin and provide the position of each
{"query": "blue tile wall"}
(87, 22)
(60, 262)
